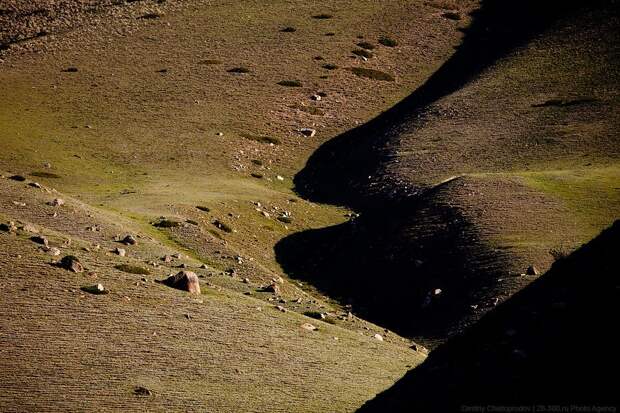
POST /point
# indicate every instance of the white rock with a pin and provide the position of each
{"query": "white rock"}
(378, 337)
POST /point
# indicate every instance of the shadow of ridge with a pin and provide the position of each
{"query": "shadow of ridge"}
(339, 172)
(415, 267)
(553, 343)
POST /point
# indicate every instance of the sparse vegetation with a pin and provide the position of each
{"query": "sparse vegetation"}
(261, 138)
(210, 62)
(132, 269)
(312, 110)
(44, 174)
(372, 74)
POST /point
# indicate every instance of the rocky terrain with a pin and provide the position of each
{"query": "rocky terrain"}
(213, 205)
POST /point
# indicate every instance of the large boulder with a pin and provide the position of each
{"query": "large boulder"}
(184, 280)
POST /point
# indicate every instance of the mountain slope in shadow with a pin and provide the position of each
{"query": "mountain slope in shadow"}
(428, 260)
(553, 343)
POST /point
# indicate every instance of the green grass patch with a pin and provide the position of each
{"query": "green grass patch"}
(290, 83)
(387, 41)
(372, 74)
(261, 138)
(593, 195)
(132, 269)
(363, 53)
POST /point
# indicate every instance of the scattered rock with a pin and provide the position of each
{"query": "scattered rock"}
(177, 256)
(40, 240)
(204, 267)
(95, 289)
(53, 251)
(120, 252)
(71, 263)
(184, 280)
(246, 280)
(309, 327)
(18, 178)
(10, 227)
(129, 240)
(280, 308)
(142, 391)
(167, 259)
(451, 15)
(308, 132)
(30, 228)
(20, 204)
(272, 288)
(316, 97)
(532, 270)
(71, 69)
(378, 337)
(56, 202)
(419, 348)
(35, 185)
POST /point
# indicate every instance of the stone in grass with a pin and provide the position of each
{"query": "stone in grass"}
(308, 132)
(532, 270)
(129, 240)
(309, 327)
(184, 280)
(37, 239)
(56, 202)
(10, 227)
(272, 288)
(142, 391)
(96, 289)
(71, 263)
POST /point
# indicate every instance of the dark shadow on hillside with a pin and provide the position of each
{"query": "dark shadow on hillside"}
(347, 169)
(553, 343)
(413, 267)
(409, 243)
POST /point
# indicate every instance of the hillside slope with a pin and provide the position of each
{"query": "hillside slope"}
(552, 344)
(505, 158)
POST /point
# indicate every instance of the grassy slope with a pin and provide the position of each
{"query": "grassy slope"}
(151, 149)
(191, 352)
(530, 177)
